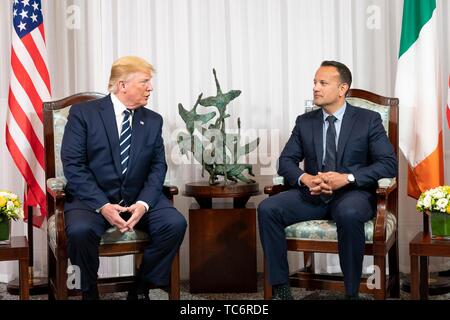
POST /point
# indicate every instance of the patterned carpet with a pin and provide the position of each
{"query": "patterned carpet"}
(299, 294)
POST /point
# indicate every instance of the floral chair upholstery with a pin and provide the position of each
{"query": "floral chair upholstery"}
(113, 242)
(381, 232)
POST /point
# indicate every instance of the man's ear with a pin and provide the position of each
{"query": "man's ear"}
(120, 86)
(343, 89)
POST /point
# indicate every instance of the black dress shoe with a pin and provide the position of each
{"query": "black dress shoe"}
(139, 291)
(91, 294)
(133, 295)
(282, 292)
(140, 296)
(445, 273)
(166, 289)
(357, 297)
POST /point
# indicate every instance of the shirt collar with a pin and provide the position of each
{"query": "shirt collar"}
(338, 114)
(119, 107)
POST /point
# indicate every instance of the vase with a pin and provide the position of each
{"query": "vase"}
(5, 231)
(440, 225)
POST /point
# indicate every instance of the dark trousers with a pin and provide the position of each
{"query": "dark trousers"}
(166, 228)
(349, 209)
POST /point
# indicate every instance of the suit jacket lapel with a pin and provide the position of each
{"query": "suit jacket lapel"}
(138, 134)
(109, 122)
(346, 128)
(318, 138)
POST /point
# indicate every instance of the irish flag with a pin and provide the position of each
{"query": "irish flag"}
(418, 86)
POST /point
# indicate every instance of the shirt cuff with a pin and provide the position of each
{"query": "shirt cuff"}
(300, 180)
(100, 209)
(144, 204)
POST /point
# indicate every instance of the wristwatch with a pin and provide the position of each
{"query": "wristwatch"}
(351, 178)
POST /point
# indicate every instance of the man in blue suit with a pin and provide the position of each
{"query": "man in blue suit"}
(345, 151)
(114, 162)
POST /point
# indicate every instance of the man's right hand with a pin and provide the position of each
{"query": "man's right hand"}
(111, 212)
(315, 184)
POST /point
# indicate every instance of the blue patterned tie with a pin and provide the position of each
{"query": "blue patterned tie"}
(125, 141)
(329, 163)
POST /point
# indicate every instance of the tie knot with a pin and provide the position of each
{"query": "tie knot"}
(331, 119)
(127, 112)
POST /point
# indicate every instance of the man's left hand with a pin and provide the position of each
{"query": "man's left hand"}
(137, 210)
(334, 180)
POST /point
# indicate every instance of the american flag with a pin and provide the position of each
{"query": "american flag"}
(29, 86)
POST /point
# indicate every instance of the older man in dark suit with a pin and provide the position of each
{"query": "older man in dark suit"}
(114, 161)
(345, 151)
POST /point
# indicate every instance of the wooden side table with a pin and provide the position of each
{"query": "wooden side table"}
(222, 238)
(18, 250)
(423, 246)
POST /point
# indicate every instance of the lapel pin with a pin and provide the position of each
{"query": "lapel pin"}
(142, 123)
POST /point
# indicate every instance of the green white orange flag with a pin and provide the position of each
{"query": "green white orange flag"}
(418, 86)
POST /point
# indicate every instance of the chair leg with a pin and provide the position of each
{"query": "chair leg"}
(308, 261)
(394, 271)
(51, 295)
(267, 286)
(51, 272)
(61, 278)
(174, 285)
(380, 293)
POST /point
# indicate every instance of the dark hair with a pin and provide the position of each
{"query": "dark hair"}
(343, 70)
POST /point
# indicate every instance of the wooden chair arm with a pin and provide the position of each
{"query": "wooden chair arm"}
(56, 194)
(379, 234)
(274, 189)
(387, 190)
(58, 197)
(170, 191)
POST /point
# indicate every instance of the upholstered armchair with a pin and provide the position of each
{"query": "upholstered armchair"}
(320, 236)
(113, 243)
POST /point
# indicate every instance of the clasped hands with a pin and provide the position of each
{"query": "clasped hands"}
(112, 212)
(324, 182)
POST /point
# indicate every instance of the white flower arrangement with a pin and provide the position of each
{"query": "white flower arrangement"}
(435, 200)
(10, 206)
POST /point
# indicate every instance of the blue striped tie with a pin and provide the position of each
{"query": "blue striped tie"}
(125, 141)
